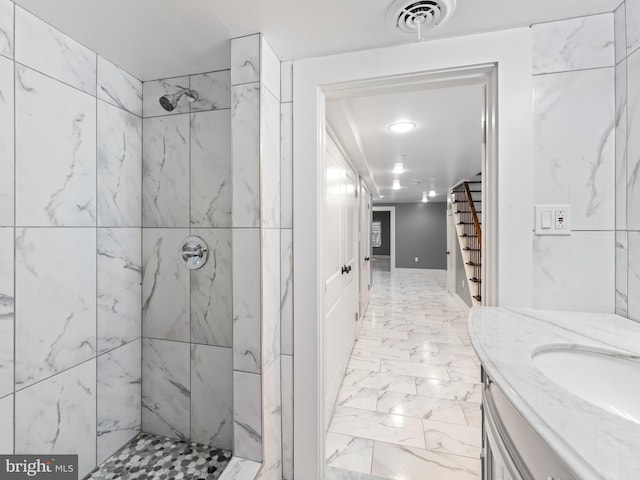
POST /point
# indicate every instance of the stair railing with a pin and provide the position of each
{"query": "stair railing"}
(474, 214)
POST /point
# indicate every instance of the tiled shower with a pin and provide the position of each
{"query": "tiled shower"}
(98, 185)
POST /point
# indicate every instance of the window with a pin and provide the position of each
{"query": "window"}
(376, 234)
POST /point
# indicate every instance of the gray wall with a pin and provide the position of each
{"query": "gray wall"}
(421, 231)
(385, 219)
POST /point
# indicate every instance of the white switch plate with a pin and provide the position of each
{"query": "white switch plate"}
(553, 219)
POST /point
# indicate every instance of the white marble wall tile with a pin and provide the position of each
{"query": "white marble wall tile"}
(40, 46)
(620, 32)
(269, 68)
(6, 140)
(286, 165)
(621, 145)
(211, 192)
(6, 311)
(633, 139)
(245, 59)
(247, 416)
(212, 396)
(574, 44)
(245, 132)
(153, 90)
(272, 423)
(634, 276)
(269, 160)
(119, 397)
(246, 300)
(119, 286)
(119, 167)
(118, 87)
(270, 296)
(6, 425)
(419, 464)
(165, 285)
(214, 90)
(286, 369)
(6, 28)
(58, 415)
(633, 25)
(211, 292)
(56, 284)
(286, 291)
(575, 272)
(286, 81)
(166, 391)
(165, 172)
(575, 145)
(55, 175)
(622, 267)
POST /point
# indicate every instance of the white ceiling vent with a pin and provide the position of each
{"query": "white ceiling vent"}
(418, 16)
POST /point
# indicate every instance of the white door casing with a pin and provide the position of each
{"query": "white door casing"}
(509, 172)
(452, 245)
(364, 243)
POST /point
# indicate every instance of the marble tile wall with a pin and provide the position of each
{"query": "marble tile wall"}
(261, 249)
(187, 315)
(575, 123)
(73, 244)
(627, 46)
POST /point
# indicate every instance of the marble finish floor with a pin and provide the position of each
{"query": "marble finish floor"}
(409, 405)
(154, 457)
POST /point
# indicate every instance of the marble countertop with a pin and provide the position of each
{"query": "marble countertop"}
(594, 443)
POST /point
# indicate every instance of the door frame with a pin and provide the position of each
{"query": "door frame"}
(392, 227)
(504, 60)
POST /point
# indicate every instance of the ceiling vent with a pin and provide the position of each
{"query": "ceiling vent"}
(417, 17)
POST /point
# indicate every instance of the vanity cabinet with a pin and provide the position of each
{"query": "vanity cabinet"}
(512, 450)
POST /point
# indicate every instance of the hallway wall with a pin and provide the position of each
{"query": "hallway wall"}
(627, 226)
(421, 231)
(187, 314)
(70, 232)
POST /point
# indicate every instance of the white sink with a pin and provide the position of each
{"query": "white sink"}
(605, 378)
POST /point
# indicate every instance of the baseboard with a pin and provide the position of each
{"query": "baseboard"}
(423, 270)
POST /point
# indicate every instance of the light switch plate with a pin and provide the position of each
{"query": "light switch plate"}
(553, 219)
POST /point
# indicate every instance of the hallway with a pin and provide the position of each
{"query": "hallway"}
(409, 405)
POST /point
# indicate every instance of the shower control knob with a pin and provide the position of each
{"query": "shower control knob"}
(194, 252)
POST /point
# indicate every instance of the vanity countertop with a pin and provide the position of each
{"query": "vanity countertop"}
(594, 443)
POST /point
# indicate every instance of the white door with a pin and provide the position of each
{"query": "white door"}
(452, 245)
(340, 271)
(365, 248)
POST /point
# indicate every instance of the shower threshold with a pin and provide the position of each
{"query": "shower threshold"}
(155, 457)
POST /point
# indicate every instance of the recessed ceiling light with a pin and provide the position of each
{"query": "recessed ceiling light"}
(381, 196)
(398, 168)
(402, 127)
(396, 184)
(432, 193)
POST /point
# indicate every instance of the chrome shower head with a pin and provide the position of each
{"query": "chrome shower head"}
(170, 101)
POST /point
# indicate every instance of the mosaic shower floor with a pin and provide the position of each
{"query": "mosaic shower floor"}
(155, 457)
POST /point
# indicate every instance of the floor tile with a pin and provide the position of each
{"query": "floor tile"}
(454, 439)
(415, 406)
(380, 381)
(370, 364)
(356, 397)
(378, 426)
(403, 463)
(472, 413)
(464, 374)
(422, 370)
(349, 452)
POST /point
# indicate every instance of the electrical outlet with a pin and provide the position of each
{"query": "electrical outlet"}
(416, 259)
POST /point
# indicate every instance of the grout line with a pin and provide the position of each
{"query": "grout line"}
(586, 69)
(96, 262)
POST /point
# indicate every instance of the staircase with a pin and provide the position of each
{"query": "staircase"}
(467, 211)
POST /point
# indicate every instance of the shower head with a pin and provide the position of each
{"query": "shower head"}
(170, 101)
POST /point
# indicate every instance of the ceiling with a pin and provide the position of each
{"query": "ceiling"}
(163, 38)
(444, 147)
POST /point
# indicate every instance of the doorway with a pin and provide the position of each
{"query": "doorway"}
(391, 249)
(501, 59)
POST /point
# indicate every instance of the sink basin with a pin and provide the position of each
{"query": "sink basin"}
(605, 378)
